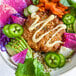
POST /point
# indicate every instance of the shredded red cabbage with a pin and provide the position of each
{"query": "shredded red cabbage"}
(3, 40)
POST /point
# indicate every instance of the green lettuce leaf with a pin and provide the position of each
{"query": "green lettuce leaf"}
(73, 11)
(65, 3)
(39, 69)
(26, 69)
(31, 68)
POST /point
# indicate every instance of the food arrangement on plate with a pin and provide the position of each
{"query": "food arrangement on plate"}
(38, 35)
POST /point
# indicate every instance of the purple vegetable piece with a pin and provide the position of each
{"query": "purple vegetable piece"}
(71, 36)
(70, 44)
(3, 40)
(3, 48)
(28, 2)
(5, 12)
(8, 39)
(70, 40)
(9, 21)
(18, 20)
(19, 5)
(20, 57)
(17, 14)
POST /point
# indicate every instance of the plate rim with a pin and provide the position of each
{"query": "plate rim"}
(14, 67)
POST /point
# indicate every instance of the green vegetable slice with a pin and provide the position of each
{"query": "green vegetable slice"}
(68, 19)
(31, 9)
(12, 51)
(31, 67)
(73, 11)
(70, 28)
(26, 12)
(26, 69)
(35, 2)
(63, 60)
(66, 52)
(16, 30)
(6, 31)
(74, 26)
(65, 3)
(29, 52)
(52, 59)
(39, 69)
(72, 3)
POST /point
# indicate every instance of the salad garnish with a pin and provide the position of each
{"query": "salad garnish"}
(66, 52)
(13, 30)
(35, 2)
(68, 19)
(20, 57)
(30, 9)
(74, 26)
(52, 59)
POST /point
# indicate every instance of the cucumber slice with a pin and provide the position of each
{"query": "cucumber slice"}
(26, 12)
(66, 52)
(74, 26)
(31, 9)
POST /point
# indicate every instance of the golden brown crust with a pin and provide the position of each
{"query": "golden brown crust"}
(40, 46)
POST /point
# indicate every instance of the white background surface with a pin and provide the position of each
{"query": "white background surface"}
(5, 70)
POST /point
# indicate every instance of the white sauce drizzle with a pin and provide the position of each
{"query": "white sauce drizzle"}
(44, 22)
(48, 42)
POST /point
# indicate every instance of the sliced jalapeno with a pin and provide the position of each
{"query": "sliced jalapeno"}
(6, 31)
(35, 2)
(52, 59)
(68, 19)
(16, 30)
(63, 60)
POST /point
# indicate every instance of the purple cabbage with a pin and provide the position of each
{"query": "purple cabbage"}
(18, 20)
(17, 14)
(3, 40)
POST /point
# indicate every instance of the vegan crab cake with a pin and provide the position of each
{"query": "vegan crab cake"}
(32, 36)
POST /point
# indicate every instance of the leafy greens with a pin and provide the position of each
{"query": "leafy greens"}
(26, 69)
(31, 67)
(65, 3)
(39, 69)
(73, 11)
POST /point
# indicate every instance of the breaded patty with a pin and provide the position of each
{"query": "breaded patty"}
(40, 46)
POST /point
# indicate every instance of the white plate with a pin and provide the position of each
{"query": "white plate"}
(55, 72)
